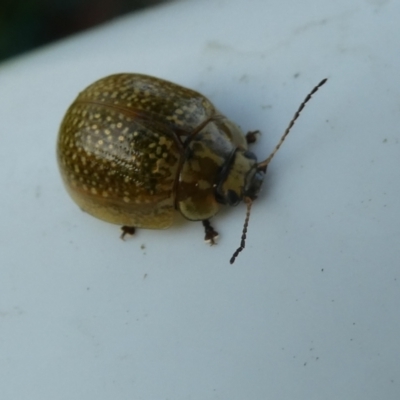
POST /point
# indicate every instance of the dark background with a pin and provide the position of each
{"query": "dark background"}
(26, 24)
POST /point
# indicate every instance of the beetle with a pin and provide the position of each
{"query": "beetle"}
(133, 148)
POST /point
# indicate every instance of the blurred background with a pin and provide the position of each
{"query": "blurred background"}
(26, 24)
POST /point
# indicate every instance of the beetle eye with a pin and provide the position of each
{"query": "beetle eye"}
(254, 185)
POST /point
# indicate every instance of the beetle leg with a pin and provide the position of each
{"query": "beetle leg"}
(211, 234)
(127, 230)
(251, 136)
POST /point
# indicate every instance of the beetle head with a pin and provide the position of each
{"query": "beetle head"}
(239, 178)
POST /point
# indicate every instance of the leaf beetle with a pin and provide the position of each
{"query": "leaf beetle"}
(133, 148)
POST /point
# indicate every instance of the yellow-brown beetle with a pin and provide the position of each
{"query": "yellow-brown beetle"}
(132, 149)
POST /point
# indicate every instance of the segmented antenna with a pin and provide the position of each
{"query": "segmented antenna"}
(263, 165)
(249, 203)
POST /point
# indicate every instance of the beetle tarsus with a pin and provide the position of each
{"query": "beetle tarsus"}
(127, 230)
(211, 233)
(251, 137)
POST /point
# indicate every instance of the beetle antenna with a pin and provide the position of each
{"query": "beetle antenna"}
(249, 203)
(263, 165)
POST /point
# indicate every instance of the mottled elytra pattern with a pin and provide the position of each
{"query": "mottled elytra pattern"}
(150, 98)
(120, 147)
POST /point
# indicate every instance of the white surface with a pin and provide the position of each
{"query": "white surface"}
(309, 311)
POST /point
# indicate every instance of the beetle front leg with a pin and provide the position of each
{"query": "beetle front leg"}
(211, 233)
(251, 137)
(127, 230)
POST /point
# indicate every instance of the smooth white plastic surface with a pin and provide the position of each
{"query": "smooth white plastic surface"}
(310, 309)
